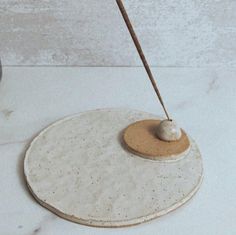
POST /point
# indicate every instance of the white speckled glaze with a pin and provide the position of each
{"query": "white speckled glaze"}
(78, 168)
(168, 130)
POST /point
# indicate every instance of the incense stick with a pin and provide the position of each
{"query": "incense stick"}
(141, 54)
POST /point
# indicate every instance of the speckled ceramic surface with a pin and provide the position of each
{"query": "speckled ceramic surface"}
(78, 169)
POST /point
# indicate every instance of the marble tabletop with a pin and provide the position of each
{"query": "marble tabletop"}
(202, 100)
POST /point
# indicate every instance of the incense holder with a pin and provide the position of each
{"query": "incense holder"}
(168, 130)
(80, 169)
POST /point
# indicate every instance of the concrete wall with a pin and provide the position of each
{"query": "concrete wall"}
(92, 33)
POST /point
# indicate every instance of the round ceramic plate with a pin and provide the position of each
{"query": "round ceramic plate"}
(78, 169)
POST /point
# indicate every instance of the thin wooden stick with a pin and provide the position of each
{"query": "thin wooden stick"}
(141, 54)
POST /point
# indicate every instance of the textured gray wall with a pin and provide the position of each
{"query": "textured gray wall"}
(92, 32)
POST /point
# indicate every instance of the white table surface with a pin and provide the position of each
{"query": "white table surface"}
(202, 100)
